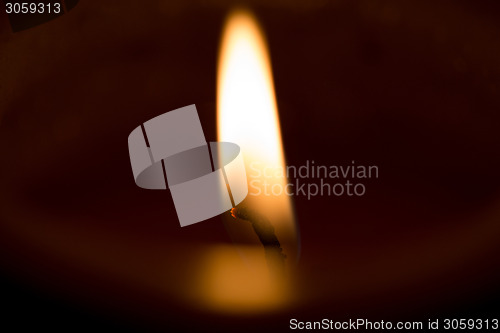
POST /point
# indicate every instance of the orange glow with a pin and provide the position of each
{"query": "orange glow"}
(236, 286)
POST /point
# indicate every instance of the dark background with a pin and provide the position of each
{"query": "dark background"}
(412, 87)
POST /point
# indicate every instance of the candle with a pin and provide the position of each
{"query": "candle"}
(401, 85)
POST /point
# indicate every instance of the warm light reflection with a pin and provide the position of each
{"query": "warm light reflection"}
(236, 286)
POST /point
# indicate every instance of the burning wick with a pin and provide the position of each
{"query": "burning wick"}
(265, 231)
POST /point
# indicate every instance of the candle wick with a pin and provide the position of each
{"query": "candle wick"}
(265, 231)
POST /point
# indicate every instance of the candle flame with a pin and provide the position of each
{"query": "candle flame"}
(247, 114)
(246, 103)
(238, 278)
